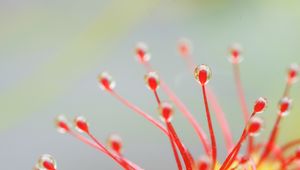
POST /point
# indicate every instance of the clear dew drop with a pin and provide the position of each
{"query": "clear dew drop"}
(260, 105)
(142, 53)
(235, 56)
(293, 73)
(115, 142)
(284, 106)
(202, 74)
(184, 47)
(152, 80)
(46, 162)
(81, 124)
(106, 81)
(166, 111)
(62, 124)
(255, 126)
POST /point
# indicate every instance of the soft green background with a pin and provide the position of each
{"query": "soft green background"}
(52, 51)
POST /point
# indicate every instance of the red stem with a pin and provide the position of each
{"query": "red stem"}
(220, 115)
(288, 161)
(287, 89)
(86, 141)
(278, 154)
(231, 157)
(182, 149)
(211, 130)
(243, 103)
(290, 145)
(140, 112)
(274, 133)
(200, 133)
(175, 152)
(190, 62)
(122, 163)
(93, 145)
(198, 129)
(250, 145)
(170, 137)
(240, 92)
(156, 97)
(271, 141)
(192, 160)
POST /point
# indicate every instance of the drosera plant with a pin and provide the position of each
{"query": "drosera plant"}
(266, 155)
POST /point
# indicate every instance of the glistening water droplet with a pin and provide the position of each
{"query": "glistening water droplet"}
(47, 162)
(166, 111)
(62, 124)
(106, 82)
(255, 126)
(142, 53)
(284, 106)
(114, 141)
(81, 124)
(202, 74)
(152, 80)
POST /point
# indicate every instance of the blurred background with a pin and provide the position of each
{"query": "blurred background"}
(52, 51)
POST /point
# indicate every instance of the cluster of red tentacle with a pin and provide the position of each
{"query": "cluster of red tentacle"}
(267, 155)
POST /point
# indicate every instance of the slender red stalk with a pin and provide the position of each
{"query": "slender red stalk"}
(220, 115)
(231, 157)
(284, 106)
(172, 141)
(287, 89)
(242, 100)
(251, 163)
(121, 162)
(156, 97)
(271, 141)
(190, 62)
(289, 161)
(92, 144)
(139, 111)
(126, 165)
(184, 153)
(115, 157)
(198, 129)
(172, 96)
(290, 145)
(179, 166)
(86, 141)
(278, 154)
(192, 160)
(185, 51)
(211, 130)
(250, 145)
